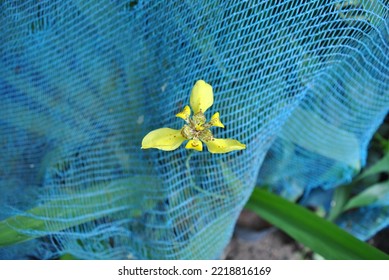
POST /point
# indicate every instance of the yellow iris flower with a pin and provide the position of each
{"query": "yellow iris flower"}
(196, 128)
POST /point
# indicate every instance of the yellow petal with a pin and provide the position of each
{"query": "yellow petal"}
(221, 146)
(166, 139)
(215, 120)
(195, 144)
(201, 97)
(185, 113)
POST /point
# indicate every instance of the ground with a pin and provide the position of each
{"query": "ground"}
(255, 239)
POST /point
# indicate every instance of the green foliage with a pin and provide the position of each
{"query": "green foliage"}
(376, 194)
(366, 189)
(320, 235)
(125, 196)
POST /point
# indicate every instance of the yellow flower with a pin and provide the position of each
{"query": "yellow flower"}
(196, 128)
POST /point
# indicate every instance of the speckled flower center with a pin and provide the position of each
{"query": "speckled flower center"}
(197, 128)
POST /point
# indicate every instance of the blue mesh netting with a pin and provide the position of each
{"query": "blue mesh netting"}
(304, 84)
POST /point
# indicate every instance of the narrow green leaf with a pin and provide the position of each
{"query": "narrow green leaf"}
(74, 208)
(322, 236)
(67, 257)
(380, 166)
(376, 194)
(339, 199)
(342, 193)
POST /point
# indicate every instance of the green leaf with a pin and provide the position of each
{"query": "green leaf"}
(380, 166)
(376, 194)
(342, 194)
(67, 257)
(339, 199)
(322, 236)
(121, 197)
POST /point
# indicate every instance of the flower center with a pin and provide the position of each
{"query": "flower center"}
(197, 128)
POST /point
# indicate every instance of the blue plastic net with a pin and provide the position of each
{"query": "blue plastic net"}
(304, 84)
